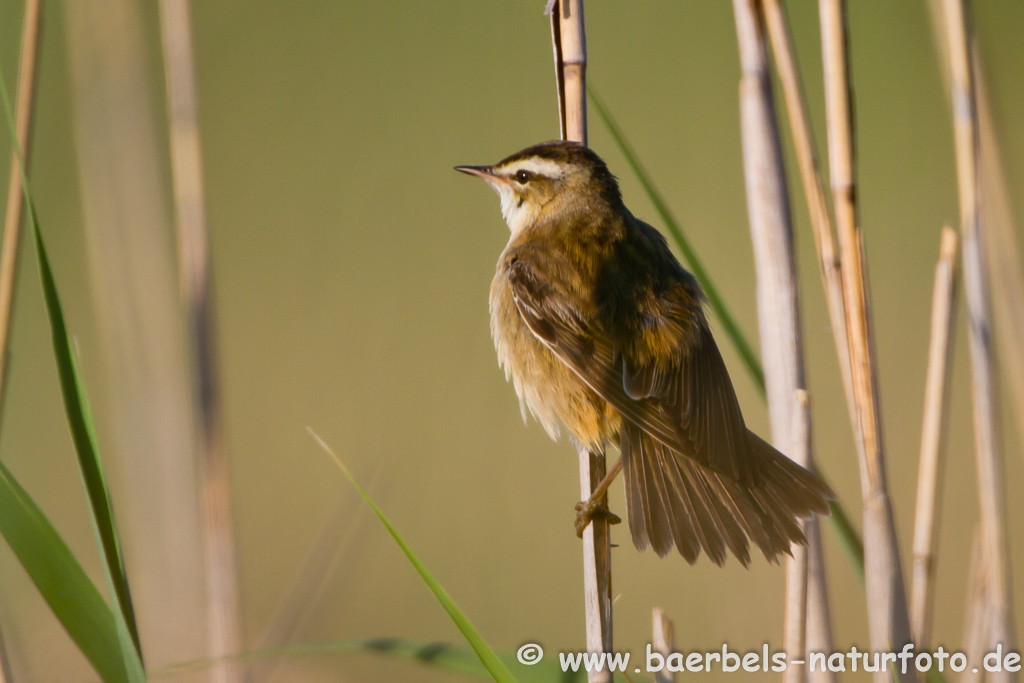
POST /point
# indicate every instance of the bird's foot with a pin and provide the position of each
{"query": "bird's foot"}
(589, 510)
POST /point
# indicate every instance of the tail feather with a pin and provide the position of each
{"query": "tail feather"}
(673, 500)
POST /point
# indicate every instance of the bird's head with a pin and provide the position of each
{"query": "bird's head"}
(547, 179)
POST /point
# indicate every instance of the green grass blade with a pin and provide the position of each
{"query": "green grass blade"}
(497, 669)
(839, 520)
(76, 408)
(60, 579)
(715, 300)
(441, 655)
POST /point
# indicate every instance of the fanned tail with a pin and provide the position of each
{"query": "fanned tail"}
(671, 500)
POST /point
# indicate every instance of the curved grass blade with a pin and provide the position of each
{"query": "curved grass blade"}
(76, 408)
(441, 655)
(839, 520)
(715, 300)
(60, 579)
(497, 669)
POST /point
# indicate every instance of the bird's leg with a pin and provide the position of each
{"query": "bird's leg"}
(592, 507)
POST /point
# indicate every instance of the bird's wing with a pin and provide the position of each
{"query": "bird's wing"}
(684, 399)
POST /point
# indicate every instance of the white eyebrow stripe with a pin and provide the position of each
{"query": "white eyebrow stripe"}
(538, 166)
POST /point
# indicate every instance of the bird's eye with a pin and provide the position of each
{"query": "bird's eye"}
(523, 176)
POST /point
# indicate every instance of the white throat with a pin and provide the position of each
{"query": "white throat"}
(517, 213)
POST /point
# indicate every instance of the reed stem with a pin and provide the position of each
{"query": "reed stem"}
(24, 106)
(933, 446)
(888, 621)
(994, 540)
(822, 225)
(224, 603)
(778, 307)
(570, 49)
(663, 642)
(27, 68)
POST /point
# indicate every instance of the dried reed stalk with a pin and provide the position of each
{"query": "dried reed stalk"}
(1002, 253)
(888, 622)
(27, 69)
(777, 298)
(663, 642)
(570, 49)
(795, 622)
(15, 200)
(976, 622)
(325, 566)
(223, 599)
(571, 53)
(819, 621)
(814, 188)
(134, 287)
(933, 433)
(986, 432)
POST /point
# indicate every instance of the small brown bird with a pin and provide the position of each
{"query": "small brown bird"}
(601, 329)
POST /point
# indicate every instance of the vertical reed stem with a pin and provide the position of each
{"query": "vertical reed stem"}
(933, 432)
(15, 200)
(570, 48)
(15, 206)
(888, 622)
(778, 302)
(976, 621)
(994, 541)
(822, 224)
(224, 605)
(819, 621)
(663, 642)
(573, 50)
(1002, 245)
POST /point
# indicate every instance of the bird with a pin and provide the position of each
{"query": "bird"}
(603, 332)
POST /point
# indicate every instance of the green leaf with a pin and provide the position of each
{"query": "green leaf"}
(76, 407)
(60, 579)
(497, 669)
(839, 520)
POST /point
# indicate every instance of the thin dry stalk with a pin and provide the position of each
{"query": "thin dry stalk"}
(933, 433)
(134, 288)
(15, 200)
(819, 622)
(223, 599)
(777, 295)
(794, 636)
(810, 175)
(989, 462)
(325, 565)
(570, 48)
(663, 642)
(819, 615)
(976, 621)
(888, 622)
(27, 68)
(1002, 253)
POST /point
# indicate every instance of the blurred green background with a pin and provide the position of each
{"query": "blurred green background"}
(352, 268)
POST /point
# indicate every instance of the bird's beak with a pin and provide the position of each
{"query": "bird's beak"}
(484, 172)
(478, 171)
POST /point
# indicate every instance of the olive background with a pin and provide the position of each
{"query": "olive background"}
(352, 267)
